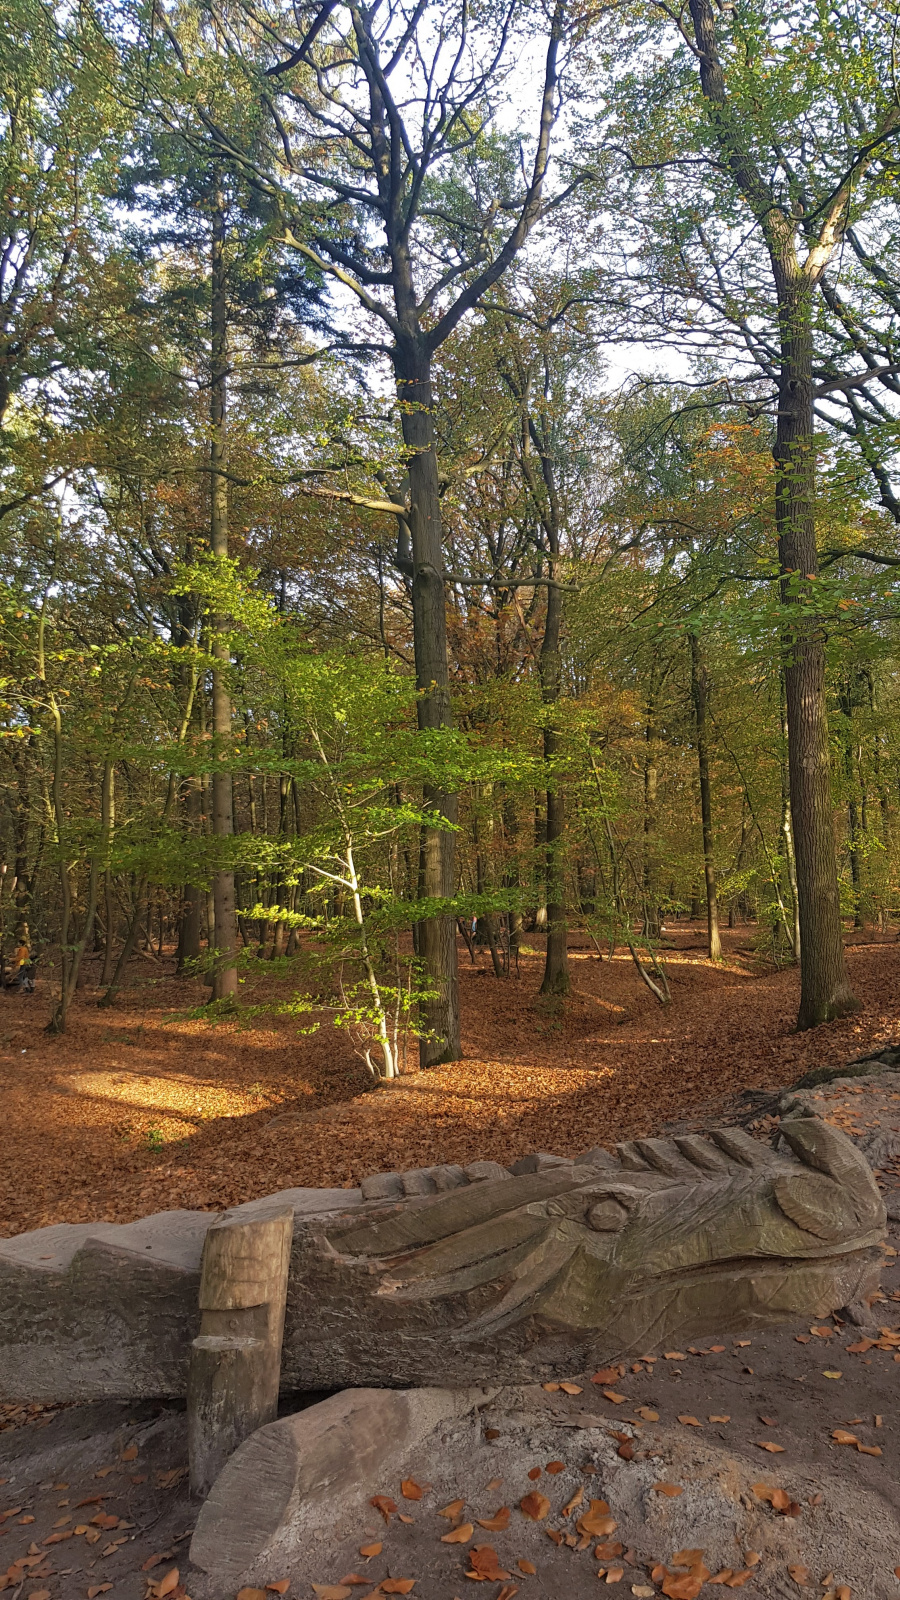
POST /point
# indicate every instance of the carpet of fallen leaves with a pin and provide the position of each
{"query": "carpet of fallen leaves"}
(141, 1108)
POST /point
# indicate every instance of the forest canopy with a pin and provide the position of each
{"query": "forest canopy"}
(449, 492)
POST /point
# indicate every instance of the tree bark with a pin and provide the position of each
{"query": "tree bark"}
(435, 934)
(824, 985)
(700, 694)
(556, 965)
(225, 978)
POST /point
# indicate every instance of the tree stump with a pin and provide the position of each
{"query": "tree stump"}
(235, 1365)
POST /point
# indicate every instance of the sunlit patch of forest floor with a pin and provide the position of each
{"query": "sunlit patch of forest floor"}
(141, 1108)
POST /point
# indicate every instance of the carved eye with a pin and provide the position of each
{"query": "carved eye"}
(607, 1216)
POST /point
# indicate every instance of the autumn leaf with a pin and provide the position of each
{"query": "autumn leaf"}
(674, 1355)
(376, 1548)
(551, 1388)
(687, 1558)
(330, 1591)
(93, 1591)
(671, 1489)
(615, 1575)
(626, 1450)
(254, 1594)
(869, 1449)
(832, 1374)
(497, 1522)
(460, 1535)
(570, 1505)
(280, 1587)
(495, 1483)
(570, 1388)
(411, 1490)
(484, 1563)
(408, 1520)
(167, 1584)
(349, 1577)
(606, 1375)
(615, 1399)
(843, 1437)
(453, 1509)
(535, 1473)
(681, 1586)
(800, 1575)
(524, 1565)
(535, 1506)
(507, 1592)
(597, 1520)
(384, 1504)
(553, 1467)
(647, 1414)
(720, 1419)
(690, 1422)
(608, 1551)
(397, 1585)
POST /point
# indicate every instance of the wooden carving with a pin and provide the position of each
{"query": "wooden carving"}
(449, 1276)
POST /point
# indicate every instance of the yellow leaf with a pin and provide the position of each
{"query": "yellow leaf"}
(460, 1535)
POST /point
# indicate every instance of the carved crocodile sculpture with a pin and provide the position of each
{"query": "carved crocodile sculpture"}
(454, 1276)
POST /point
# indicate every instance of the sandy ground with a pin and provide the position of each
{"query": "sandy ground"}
(696, 1420)
(141, 1108)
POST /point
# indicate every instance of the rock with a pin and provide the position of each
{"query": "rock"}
(449, 1177)
(597, 1157)
(297, 1475)
(419, 1181)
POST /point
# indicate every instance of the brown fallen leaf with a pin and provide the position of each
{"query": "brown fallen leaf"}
(674, 1355)
(738, 1579)
(778, 1499)
(93, 1591)
(551, 1388)
(687, 1558)
(626, 1450)
(690, 1422)
(597, 1521)
(397, 1585)
(44, 1594)
(869, 1449)
(153, 1561)
(722, 1418)
(328, 1591)
(553, 1467)
(614, 1575)
(167, 1584)
(495, 1483)
(402, 1518)
(484, 1563)
(682, 1585)
(766, 1444)
(492, 1433)
(354, 1578)
(508, 1590)
(497, 1522)
(384, 1504)
(608, 1550)
(280, 1587)
(130, 1454)
(570, 1505)
(571, 1388)
(524, 1565)
(614, 1398)
(800, 1574)
(254, 1594)
(841, 1436)
(460, 1535)
(555, 1535)
(671, 1489)
(375, 1549)
(453, 1509)
(606, 1375)
(534, 1506)
(648, 1414)
(411, 1490)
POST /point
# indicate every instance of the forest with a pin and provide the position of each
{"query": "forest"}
(448, 497)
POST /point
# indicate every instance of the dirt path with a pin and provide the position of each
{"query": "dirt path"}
(139, 1108)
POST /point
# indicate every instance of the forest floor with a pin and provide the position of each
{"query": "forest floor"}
(144, 1107)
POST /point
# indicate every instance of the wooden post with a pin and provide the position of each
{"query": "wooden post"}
(236, 1359)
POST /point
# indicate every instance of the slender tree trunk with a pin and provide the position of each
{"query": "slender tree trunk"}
(824, 985)
(651, 865)
(225, 978)
(556, 965)
(435, 935)
(700, 692)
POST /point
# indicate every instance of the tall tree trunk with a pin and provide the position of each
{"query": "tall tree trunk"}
(435, 935)
(700, 693)
(225, 977)
(824, 984)
(556, 965)
(651, 918)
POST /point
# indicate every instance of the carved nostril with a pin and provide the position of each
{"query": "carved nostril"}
(607, 1216)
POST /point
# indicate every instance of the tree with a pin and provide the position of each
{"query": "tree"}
(395, 182)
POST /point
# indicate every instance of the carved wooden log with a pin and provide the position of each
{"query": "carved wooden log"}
(235, 1365)
(460, 1277)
